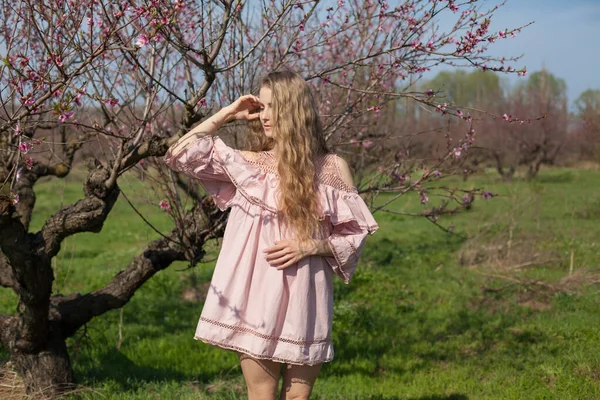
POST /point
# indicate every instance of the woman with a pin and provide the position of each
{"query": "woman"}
(296, 221)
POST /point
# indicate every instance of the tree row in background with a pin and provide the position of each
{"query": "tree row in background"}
(521, 126)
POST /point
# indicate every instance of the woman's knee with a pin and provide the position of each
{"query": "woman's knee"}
(261, 376)
(298, 381)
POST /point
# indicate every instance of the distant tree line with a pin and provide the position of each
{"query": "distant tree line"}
(511, 128)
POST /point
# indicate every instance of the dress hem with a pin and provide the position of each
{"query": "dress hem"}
(257, 356)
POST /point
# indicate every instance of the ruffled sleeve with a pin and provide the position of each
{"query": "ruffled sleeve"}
(205, 159)
(352, 221)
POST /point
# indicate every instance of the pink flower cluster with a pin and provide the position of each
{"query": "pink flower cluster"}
(24, 147)
(164, 205)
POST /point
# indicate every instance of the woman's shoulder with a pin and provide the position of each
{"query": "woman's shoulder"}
(334, 164)
(333, 170)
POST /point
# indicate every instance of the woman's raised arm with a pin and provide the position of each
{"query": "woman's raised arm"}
(241, 109)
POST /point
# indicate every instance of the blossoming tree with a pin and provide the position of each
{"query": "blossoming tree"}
(134, 75)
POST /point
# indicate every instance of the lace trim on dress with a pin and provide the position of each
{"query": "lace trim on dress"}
(338, 266)
(327, 169)
(262, 335)
(259, 356)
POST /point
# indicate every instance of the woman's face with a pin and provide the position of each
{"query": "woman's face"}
(265, 110)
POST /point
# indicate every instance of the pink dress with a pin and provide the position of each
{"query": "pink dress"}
(251, 307)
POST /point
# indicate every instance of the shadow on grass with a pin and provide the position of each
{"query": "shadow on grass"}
(115, 366)
(555, 177)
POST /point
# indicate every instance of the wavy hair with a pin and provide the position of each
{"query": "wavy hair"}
(298, 138)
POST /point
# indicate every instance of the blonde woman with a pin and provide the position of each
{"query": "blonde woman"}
(296, 221)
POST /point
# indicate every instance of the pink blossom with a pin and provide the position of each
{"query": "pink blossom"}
(505, 117)
(112, 102)
(459, 113)
(164, 205)
(18, 130)
(24, 147)
(487, 195)
(368, 143)
(66, 116)
(502, 34)
(29, 163)
(423, 196)
(142, 40)
(202, 102)
(437, 173)
(415, 44)
(457, 152)
(15, 199)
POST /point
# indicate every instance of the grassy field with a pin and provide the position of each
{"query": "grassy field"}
(509, 314)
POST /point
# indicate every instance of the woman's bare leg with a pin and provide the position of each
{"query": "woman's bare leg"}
(298, 381)
(261, 376)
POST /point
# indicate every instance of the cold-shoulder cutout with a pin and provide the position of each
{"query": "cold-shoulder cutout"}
(344, 171)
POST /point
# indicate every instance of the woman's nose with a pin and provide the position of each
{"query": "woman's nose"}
(266, 115)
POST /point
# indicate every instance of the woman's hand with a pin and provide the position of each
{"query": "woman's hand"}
(285, 253)
(245, 108)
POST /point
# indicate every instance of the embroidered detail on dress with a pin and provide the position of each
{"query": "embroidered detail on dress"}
(262, 335)
(349, 242)
(259, 356)
(338, 267)
(328, 172)
(251, 199)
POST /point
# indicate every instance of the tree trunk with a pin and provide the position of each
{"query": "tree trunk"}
(47, 373)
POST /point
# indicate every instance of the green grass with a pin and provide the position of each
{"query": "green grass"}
(414, 323)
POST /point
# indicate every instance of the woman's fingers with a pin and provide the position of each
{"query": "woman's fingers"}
(280, 260)
(281, 253)
(277, 254)
(282, 244)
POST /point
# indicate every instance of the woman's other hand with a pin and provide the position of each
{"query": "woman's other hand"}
(285, 253)
(246, 108)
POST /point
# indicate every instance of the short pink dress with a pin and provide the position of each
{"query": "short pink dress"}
(251, 307)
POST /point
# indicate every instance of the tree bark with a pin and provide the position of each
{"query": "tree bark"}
(7, 278)
(47, 372)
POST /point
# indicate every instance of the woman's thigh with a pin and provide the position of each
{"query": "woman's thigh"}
(261, 376)
(298, 381)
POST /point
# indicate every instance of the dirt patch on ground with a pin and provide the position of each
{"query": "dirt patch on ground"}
(512, 264)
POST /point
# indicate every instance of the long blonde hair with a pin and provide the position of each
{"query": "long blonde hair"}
(298, 137)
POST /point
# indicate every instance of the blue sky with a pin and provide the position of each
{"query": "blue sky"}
(565, 39)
